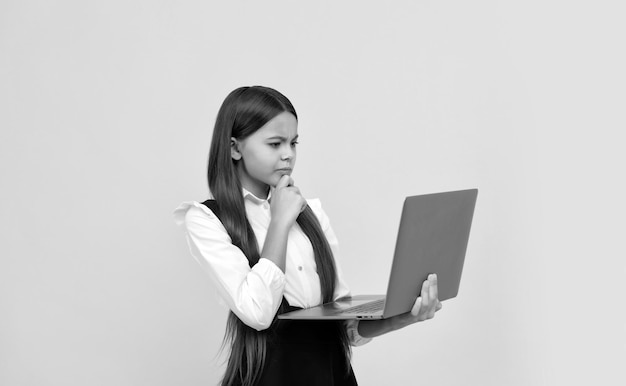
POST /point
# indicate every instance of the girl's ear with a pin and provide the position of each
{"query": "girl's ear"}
(234, 149)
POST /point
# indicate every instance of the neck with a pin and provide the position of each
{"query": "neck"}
(257, 188)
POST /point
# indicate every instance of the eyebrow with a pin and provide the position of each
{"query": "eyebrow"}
(282, 138)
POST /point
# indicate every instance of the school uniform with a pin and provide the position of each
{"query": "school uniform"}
(308, 351)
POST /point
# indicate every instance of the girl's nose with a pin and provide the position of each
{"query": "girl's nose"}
(287, 155)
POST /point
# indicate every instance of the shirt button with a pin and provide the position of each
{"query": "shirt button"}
(299, 268)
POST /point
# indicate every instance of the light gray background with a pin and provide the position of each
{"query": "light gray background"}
(106, 112)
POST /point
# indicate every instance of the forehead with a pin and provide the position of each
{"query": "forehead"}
(282, 125)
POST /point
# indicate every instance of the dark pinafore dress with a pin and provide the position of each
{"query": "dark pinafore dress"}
(303, 352)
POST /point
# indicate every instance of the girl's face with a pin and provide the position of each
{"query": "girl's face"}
(266, 155)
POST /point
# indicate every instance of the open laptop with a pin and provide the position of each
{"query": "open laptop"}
(433, 236)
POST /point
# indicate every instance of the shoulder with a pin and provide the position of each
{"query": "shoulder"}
(192, 210)
(316, 206)
(314, 203)
(200, 222)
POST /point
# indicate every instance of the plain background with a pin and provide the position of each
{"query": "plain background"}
(106, 112)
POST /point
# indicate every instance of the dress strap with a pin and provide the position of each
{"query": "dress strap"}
(215, 208)
(212, 204)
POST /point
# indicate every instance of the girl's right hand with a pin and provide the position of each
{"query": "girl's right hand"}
(287, 202)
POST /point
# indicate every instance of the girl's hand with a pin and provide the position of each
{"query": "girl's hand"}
(287, 202)
(425, 306)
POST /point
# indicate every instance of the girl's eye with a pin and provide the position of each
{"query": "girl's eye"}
(293, 144)
(275, 144)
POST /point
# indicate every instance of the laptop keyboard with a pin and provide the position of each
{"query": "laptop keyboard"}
(367, 308)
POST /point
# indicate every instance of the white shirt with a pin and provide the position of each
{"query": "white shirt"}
(254, 294)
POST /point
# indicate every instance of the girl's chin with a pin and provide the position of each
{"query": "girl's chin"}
(275, 179)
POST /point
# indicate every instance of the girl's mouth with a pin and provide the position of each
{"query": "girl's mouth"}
(285, 171)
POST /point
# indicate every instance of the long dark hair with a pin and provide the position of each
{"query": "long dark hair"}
(244, 111)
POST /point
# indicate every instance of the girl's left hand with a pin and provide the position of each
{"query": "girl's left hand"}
(425, 306)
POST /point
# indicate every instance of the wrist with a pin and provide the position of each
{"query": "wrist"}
(280, 224)
(374, 328)
(398, 322)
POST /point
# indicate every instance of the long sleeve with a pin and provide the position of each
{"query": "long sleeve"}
(253, 294)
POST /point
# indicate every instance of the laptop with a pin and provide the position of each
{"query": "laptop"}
(433, 236)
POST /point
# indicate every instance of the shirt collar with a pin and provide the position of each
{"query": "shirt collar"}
(251, 197)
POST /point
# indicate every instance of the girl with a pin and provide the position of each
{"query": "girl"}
(268, 251)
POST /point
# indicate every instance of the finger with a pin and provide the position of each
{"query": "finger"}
(429, 302)
(429, 313)
(439, 305)
(284, 181)
(434, 291)
(425, 294)
(415, 311)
